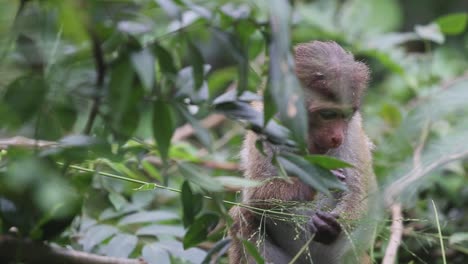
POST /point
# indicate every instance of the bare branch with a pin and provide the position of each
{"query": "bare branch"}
(396, 231)
(13, 250)
(19, 141)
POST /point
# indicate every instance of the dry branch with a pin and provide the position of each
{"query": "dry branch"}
(395, 237)
(14, 250)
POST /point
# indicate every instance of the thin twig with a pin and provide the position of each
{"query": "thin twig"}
(396, 234)
(100, 72)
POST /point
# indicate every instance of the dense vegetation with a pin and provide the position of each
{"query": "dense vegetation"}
(122, 121)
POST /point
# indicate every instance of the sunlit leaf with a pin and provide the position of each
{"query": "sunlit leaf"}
(148, 217)
(121, 245)
(327, 162)
(430, 32)
(453, 24)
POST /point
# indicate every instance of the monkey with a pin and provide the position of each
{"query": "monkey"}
(333, 83)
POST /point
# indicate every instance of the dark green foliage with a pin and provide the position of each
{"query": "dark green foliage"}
(95, 96)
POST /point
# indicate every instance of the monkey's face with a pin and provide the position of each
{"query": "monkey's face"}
(327, 127)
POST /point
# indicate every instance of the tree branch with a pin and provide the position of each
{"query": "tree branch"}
(13, 250)
(100, 72)
(396, 233)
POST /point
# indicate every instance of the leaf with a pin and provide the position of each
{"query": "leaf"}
(159, 229)
(143, 63)
(252, 250)
(204, 181)
(117, 200)
(430, 32)
(391, 114)
(151, 170)
(458, 238)
(163, 126)
(198, 231)
(121, 246)
(284, 88)
(72, 17)
(316, 177)
(237, 183)
(132, 27)
(216, 249)
(124, 98)
(153, 254)
(200, 132)
(192, 255)
(148, 216)
(165, 60)
(191, 204)
(170, 8)
(196, 59)
(327, 162)
(24, 97)
(453, 24)
(186, 86)
(95, 235)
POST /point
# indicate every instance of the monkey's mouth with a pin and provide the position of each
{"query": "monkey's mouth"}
(316, 149)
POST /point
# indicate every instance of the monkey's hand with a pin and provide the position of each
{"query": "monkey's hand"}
(339, 173)
(325, 226)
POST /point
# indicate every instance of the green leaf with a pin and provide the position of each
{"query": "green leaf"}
(198, 232)
(154, 252)
(143, 63)
(163, 126)
(72, 20)
(121, 246)
(196, 59)
(284, 88)
(237, 183)
(117, 200)
(204, 181)
(216, 249)
(191, 204)
(148, 217)
(252, 250)
(453, 24)
(95, 235)
(24, 97)
(458, 238)
(391, 114)
(316, 177)
(124, 98)
(327, 162)
(165, 60)
(151, 170)
(430, 32)
(200, 132)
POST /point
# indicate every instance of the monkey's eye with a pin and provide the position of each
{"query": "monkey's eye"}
(327, 114)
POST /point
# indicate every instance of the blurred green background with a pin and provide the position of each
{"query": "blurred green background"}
(113, 118)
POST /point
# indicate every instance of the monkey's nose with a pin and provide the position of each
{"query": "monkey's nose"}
(336, 142)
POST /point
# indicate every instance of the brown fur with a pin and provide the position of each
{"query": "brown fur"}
(331, 78)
